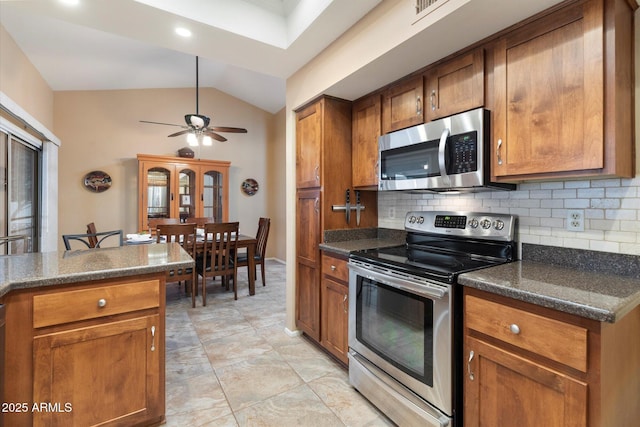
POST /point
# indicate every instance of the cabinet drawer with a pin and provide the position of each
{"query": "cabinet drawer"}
(553, 339)
(335, 267)
(82, 304)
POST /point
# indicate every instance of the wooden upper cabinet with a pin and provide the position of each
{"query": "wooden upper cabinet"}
(309, 146)
(403, 105)
(364, 142)
(455, 86)
(563, 101)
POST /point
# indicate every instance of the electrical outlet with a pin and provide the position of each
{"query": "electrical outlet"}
(392, 212)
(575, 220)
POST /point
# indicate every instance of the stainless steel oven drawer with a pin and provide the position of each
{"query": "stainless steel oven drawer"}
(392, 398)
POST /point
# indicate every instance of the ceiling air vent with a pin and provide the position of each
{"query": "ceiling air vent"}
(422, 5)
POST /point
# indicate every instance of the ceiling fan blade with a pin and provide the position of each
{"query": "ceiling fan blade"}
(215, 136)
(182, 132)
(228, 129)
(158, 123)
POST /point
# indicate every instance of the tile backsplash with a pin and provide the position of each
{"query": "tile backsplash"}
(611, 210)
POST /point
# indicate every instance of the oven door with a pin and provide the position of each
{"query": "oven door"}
(402, 325)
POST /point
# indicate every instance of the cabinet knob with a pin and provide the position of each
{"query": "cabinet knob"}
(515, 329)
(333, 268)
(102, 302)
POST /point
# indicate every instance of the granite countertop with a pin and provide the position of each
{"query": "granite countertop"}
(595, 295)
(55, 268)
(348, 246)
(343, 242)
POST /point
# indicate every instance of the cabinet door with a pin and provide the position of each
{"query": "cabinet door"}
(213, 197)
(122, 362)
(403, 105)
(364, 149)
(156, 192)
(455, 86)
(309, 146)
(335, 318)
(308, 262)
(504, 389)
(549, 105)
(186, 192)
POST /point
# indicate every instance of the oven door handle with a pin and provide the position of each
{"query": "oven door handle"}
(399, 281)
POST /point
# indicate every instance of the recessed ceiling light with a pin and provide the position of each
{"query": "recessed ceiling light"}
(70, 2)
(183, 32)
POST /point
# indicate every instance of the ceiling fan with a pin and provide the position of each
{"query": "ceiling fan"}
(197, 127)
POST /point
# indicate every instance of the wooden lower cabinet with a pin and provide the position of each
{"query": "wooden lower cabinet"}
(531, 366)
(87, 354)
(335, 307)
(511, 390)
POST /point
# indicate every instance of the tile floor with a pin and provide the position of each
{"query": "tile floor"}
(231, 364)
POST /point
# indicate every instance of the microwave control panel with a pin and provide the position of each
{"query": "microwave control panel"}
(464, 153)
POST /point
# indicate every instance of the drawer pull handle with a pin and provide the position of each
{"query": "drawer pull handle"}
(471, 376)
(333, 268)
(515, 329)
(153, 338)
(102, 302)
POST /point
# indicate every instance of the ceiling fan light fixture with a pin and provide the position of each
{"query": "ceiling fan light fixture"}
(192, 139)
(207, 141)
(198, 121)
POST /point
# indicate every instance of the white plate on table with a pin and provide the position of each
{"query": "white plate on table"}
(138, 239)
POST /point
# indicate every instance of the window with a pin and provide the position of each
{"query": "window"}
(19, 195)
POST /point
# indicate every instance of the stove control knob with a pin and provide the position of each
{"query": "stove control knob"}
(498, 224)
(485, 223)
(420, 220)
(473, 223)
(412, 219)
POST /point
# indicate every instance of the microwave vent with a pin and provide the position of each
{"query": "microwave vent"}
(423, 5)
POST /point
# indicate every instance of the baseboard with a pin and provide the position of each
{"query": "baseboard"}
(291, 333)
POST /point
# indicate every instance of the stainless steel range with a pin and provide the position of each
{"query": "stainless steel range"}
(405, 313)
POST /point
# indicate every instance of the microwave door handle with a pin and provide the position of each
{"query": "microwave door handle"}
(441, 156)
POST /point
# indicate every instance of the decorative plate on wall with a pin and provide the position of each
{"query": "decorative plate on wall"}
(250, 186)
(97, 181)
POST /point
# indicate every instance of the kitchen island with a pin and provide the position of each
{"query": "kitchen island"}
(85, 335)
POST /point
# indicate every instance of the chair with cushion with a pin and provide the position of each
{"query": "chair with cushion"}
(94, 240)
(185, 234)
(261, 248)
(219, 255)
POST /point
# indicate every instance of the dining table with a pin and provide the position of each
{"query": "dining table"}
(247, 242)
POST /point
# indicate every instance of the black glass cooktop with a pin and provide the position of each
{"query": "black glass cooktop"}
(434, 263)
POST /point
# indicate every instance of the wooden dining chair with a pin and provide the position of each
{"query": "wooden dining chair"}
(219, 255)
(99, 239)
(93, 240)
(200, 221)
(261, 248)
(155, 222)
(185, 234)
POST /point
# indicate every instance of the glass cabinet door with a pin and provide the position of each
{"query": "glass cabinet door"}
(187, 194)
(158, 193)
(213, 196)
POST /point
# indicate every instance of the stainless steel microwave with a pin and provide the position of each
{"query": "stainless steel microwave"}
(446, 155)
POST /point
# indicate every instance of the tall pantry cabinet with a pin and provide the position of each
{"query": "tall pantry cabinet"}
(323, 174)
